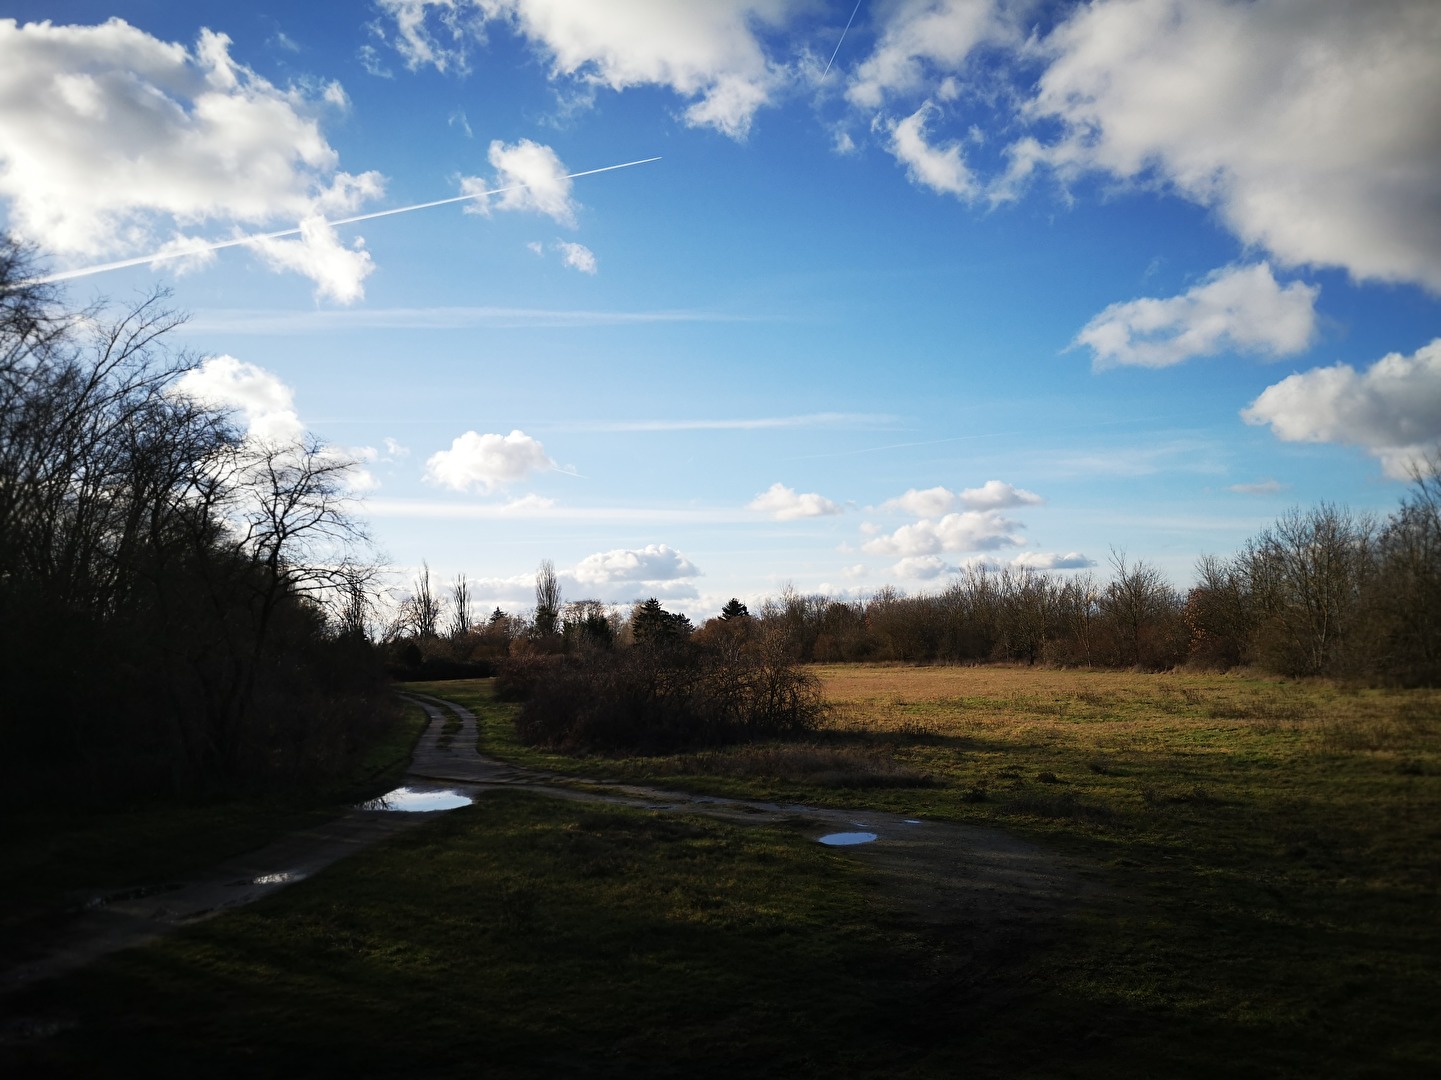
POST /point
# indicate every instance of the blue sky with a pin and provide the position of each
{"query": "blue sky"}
(1016, 282)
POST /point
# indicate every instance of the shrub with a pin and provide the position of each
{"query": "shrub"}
(670, 694)
(518, 675)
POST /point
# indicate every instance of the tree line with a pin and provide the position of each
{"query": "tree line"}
(182, 606)
(1321, 592)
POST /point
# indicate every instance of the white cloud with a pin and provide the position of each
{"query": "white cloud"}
(922, 567)
(921, 38)
(1260, 487)
(1036, 560)
(267, 405)
(534, 177)
(528, 505)
(338, 271)
(940, 168)
(395, 450)
(486, 463)
(784, 504)
(970, 530)
(650, 564)
(1309, 125)
(260, 396)
(416, 37)
(933, 502)
(577, 256)
(113, 142)
(997, 495)
(1239, 308)
(709, 53)
(1392, 409)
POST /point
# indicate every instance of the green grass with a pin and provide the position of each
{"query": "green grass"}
(1278, 844)
(521, 936)
(54, 855)
(1266, 854)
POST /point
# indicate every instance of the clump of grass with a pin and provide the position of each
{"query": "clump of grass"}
(1197, 796)
(808, 763)
(1056, 804)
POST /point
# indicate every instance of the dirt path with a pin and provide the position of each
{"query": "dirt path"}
(937, 873)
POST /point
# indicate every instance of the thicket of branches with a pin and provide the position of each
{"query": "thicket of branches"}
(1321, 592)
(670, 689)
(181, 608)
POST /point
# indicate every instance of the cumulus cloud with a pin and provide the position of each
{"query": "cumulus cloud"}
(265, 402)
(970, 530)
(1391, 409)
(922, 567)
(997, 495)
(1309, 125)
(785, 504)
(708, 53)
(1036, 560)
(933, 502)
(486, 463)
(267, 405)
(941, 168)
(534, 176)
(338, 271)
(650, 564)
(113, 142)
(428, 33)
(922, 38)
(1238, 308)
(577, 256)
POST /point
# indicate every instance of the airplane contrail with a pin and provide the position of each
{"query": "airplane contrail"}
(201, 249)
(837, 49)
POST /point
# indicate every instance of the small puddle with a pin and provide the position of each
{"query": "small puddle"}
(416, 800)
(843, 839)
(280, 877)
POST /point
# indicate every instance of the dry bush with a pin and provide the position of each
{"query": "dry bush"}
(667, 696)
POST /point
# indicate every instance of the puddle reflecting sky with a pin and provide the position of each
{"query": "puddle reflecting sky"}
(842, 839)
(418, 800)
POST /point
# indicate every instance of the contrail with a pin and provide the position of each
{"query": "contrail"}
(201, 249)
(837, 50)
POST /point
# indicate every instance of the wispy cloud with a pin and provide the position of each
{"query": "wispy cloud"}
(263, 321)
(752, 423)
(1260, 487)
(536, 509)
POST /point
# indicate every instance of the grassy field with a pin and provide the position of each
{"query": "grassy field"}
(1266, 856)
(54, 855)
(1278, 844)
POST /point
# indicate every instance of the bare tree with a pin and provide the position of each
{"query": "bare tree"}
(1137, 602)
(423, 608)
(1312, 565)
(547, 600)
(460, 614)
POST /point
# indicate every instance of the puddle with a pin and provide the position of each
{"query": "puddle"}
(416, 800)
(281, 877)
(842, 839)
(912, 821)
